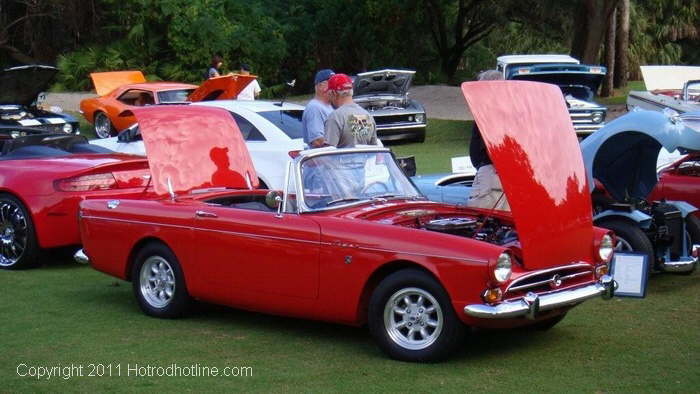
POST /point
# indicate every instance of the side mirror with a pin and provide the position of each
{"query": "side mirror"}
(273, 199)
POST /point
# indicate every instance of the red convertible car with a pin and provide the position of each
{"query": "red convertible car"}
(42, 179)
(122, 91)
(351, 240)
(680, 181)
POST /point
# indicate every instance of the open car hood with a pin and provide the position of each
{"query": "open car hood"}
(668, 77)
(105, 82)
(386, 82)
(622, 155)
(530, 138)
(226, 87)
(21, 85)
(194, 148)
(563, 75)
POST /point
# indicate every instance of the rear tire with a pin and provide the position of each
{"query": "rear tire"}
(19, 248)
(692, 228)
(630, 238)
(158, 282)
(411, 318)
(103, 126)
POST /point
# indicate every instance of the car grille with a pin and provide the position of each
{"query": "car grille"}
(389, 119)
(550, 279)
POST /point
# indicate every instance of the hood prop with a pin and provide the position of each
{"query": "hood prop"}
(170, 190)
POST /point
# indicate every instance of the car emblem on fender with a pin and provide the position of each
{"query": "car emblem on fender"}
(555, 281)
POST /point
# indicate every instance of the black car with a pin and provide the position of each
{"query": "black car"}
(20, 88)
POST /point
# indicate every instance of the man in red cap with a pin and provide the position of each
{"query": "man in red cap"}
(349, 124)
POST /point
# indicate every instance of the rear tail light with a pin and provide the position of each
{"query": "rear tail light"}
(294, 153)
(87, 183)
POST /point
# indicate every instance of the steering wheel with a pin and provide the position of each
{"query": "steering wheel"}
(370, 185)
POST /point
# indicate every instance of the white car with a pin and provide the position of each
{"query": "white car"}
(673, 87)
(271, 130)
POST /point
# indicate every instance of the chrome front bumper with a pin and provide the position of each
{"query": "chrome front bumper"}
(531, 304)
(686, 264)
(81, 257)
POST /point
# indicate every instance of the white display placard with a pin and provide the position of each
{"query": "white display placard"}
(630, 272)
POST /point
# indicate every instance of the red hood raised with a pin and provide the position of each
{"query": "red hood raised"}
(194, 147)
(221, 88)
(529, 136)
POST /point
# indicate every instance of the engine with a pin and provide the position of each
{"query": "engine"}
(14, 112)
(487, 229)
(382, 104)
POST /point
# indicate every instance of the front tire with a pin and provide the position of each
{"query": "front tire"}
(103, 126)
(19, 248)
(630, 238)
(411, 318)
(158, 282)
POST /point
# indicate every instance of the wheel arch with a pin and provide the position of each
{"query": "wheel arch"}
(138, 246)
(378, 275)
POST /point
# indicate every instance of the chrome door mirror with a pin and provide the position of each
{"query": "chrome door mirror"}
(273, 199)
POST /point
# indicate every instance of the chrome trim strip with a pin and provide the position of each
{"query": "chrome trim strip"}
(321, 243)
(398, 127)
(530, 305)
(81, 257)
(549, 270)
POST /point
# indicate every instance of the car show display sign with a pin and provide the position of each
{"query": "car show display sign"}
(631, 274)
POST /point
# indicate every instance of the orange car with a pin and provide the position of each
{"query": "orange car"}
(120, 91)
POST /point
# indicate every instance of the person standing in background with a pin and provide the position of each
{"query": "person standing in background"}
(349, 124)
(216, 62)
(252, 90)
(317, 111)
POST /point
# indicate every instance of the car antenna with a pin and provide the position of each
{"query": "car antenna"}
(290, 85)
(170, 190)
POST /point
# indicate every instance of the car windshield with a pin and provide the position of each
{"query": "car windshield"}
(174, 96)
(336, 179)
(289, 121)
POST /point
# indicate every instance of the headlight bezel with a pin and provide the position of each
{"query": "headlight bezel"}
(606, 248)
(67, 128)
(503, 269)
(419, 118)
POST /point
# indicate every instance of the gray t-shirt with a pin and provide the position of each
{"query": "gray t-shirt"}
(313, 119)
(350, 125)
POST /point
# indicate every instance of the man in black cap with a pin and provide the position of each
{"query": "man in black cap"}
(252, 90)
(317, 111)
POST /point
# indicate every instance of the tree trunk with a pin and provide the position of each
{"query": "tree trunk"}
(591, 25)
(607, 89)
(622, 37)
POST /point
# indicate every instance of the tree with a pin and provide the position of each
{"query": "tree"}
(591, 24)
(622, 38)
(456, 25)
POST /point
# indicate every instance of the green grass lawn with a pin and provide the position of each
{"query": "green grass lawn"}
(444, 139)
(620, 95)
(66, 314)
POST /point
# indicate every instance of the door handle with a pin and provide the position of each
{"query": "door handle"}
(205, 214)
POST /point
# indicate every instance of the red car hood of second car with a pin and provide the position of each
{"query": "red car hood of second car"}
(194, 148)
(530, 139)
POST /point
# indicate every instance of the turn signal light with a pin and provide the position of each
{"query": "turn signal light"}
(492, 295)
(601, 270)
(294, 153)
(87, 183)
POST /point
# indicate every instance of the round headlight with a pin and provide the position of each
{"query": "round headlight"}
(606, 248)
(68, 128)
(420, 118)
(597, 117)
(503, 268)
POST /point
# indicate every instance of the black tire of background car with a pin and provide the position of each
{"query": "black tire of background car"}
(111, 127)
(453, 330)
(545, 325)
(692, 225)
(32, 252)
(633, 235)
(181, 301)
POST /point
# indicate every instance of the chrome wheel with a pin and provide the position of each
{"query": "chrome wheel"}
(157, 280)
(103, 127)
(413, 318)
(14, 233)
(622, 245)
